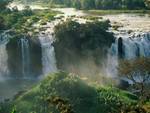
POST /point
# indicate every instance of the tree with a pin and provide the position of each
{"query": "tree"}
(98, 4)
(76, 4)
(89, 36)
(138, 72)
(87, 4)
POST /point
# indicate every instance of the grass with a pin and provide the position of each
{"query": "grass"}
(104, 12)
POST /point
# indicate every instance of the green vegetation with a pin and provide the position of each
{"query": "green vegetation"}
(75, 41)
(98, 4)
(66, 93)
(21, 22)
(105, 12)
(89, 36)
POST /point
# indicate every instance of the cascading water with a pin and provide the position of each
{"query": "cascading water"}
(127, 47)
(3, 60)
(25, 55)
(136, 45)
(4, 38)
(111, 63)
(48, 53)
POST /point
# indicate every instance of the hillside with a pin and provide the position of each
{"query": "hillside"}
(66, 93)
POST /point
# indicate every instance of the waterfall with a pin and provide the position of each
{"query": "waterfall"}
(25, 56)
(133, 46)
(48, 53)
(110, 66)
(3, 60)
(4, 38)
(127, 47)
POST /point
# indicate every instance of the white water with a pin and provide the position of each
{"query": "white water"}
(110, 67)
(134, 31)
(22, 6)
(46, 39)
(48, 54)
(135, 45)
(25, 54)
(67, 12)
(4, 38)
(133, 22)
(3, 60)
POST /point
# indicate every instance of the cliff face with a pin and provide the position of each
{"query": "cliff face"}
(24, 56)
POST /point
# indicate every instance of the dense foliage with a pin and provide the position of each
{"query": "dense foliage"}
(67, 93)
(99, 4)
(89, 36)
(23, 21)
(3, 8)
(75, 41)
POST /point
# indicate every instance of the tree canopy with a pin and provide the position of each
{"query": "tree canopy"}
(99, 4)
(84, 36)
